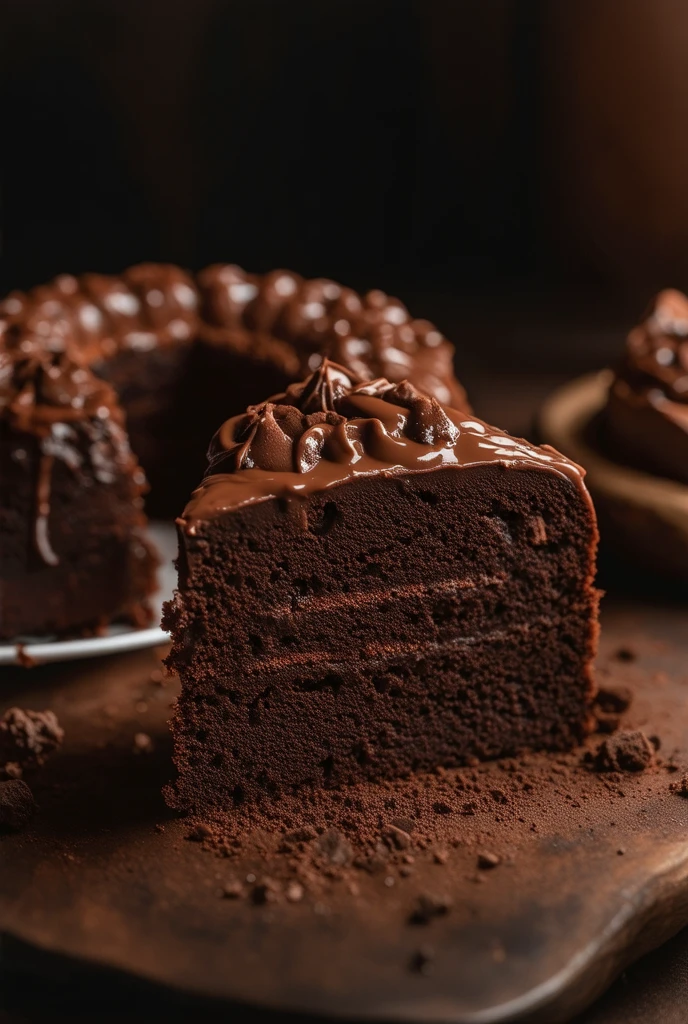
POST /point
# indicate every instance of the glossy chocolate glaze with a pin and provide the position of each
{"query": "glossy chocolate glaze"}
(372, 334)
(64, 407)
(279, 315)
(646, 419)
(334, 427)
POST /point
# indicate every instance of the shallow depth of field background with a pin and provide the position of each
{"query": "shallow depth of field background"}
(515, 169)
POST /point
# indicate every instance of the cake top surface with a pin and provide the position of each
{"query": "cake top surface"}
(95, 316)
(655, 363)
(75, 419)
(332, 428)
(39, 389)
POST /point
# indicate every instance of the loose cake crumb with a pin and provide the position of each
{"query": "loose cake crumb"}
(626, 654)
(488, 860)
(614, 699)
(335, 848)
(629, 751)
(199, 833)
(24, 658)
(422, 959)
(429, 907)
(680, 787)
(17, 805)
(266, 891)
(294, 892)
(233, 890)
(397, 838)
(29, 737)
(143, 744)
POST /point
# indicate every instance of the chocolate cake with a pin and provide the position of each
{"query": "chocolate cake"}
(215, 343)
(72, 552)
(372, 583)
(645, 423)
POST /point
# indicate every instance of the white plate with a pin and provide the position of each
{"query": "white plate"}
(117, 638)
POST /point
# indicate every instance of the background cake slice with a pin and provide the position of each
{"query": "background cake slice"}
(645, 421)
(371, 584)
(211, 344)
(73, 556)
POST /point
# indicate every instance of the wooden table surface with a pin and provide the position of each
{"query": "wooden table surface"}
(653, 990)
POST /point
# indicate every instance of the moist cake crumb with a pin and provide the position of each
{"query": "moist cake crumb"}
(627, 751)
(29, 737)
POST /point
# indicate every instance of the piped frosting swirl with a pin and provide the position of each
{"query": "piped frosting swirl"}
(333, 427)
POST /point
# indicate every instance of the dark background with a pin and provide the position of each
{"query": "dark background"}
(516, 170)
(489, 148)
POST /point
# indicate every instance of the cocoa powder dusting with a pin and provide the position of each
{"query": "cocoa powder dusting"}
(468, 819)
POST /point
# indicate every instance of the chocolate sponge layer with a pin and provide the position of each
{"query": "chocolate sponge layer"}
(383, 626)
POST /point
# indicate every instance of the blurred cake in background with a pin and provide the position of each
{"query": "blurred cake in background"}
(629, 429)
(645, 422)
(181, 352)
(73, 555)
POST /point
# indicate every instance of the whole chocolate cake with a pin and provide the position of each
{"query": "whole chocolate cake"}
(645, 423)
(167, 341)
(72, 552)
(372, 583)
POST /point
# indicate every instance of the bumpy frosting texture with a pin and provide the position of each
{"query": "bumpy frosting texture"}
(646, 419)
(333, 427)
(656, 358)
(280, 316)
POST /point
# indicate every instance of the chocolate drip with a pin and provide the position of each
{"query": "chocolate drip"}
(59, 402)
(281, 449)
(320, 392)
(40, 525)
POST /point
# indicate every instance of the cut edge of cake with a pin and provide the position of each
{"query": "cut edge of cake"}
(371, 583)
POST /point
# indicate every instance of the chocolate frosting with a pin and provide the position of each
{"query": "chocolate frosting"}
(45, 388)
(51, 337)
(94, 316)
(645, 422)
(656, 357)
(278, 316)
(334, 427)
(373, 335)
(73, 416)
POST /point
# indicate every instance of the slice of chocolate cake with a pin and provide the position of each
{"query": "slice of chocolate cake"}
(369, 584)
(72, 552)
(645, 422)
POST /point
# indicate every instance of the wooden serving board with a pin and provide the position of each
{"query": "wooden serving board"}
(105, 877)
